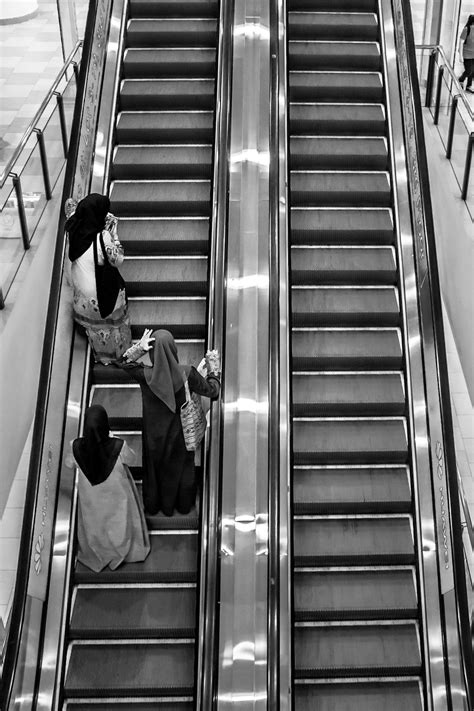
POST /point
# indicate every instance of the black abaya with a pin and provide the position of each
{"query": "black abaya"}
(169, 480)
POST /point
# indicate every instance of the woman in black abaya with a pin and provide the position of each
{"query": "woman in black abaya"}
(169, 480)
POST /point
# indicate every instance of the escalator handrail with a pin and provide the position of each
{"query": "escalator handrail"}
(26, 539)
(441, 363)
(208, 592)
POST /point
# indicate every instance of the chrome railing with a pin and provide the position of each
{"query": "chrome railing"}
(452, 115)
(30, 176)
(207, 645)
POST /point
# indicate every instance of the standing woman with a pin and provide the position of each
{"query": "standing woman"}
(111, 526)
(466, 51)
(100, 302)
(169, 480)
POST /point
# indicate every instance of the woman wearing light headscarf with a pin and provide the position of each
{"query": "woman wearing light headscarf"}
(111, 526)
(169, 480)
(100, 302)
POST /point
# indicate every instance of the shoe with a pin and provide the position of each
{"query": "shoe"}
(471, 91)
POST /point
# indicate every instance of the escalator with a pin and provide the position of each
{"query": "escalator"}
(357, 633)
(132, 632)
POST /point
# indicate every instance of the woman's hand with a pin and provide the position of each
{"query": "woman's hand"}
(140, 348)
(213, 362)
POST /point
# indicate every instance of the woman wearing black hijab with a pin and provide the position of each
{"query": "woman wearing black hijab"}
(100, 303)
(111, 526)
(169, 480)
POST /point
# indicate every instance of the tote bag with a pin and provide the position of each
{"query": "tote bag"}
(193, 419)
(108, 281)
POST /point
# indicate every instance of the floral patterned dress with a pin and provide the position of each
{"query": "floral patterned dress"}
(109, 337)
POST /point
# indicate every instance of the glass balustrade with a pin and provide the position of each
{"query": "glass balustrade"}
(32, 175)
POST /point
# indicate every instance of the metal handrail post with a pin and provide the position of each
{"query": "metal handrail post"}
(452, 121)
(21, 210)
(44, 163)
(429, 79)
(467, 167)
(62, 120)
(439, 85)
(2, 299)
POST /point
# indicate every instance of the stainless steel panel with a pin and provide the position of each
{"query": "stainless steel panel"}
(244, 541)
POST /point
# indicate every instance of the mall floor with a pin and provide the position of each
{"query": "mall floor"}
(30, 59)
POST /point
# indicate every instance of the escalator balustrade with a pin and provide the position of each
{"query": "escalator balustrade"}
(132, 632)
(356, 618)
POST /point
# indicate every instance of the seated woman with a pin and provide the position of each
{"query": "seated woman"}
(111, 526)
(100, 303)
(169, 480)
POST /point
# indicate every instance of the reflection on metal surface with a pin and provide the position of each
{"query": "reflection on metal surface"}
(244, 536)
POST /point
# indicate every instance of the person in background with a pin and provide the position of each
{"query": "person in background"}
(111, 526)
(99, 299)
(466, 52)
(169, 480)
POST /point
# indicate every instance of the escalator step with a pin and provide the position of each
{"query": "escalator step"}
(351, 489)
(331, 118)
(115, 613)
(173, 558)
(163, 235)
(147, 94)
(141, 62)
(133, 702)
(184, 316)
(162, 197)
(333, 265)
(348, 393)
(360, 695)
(332, 25)
(345, 306)
(334, 55)
(380, 593)
(140, 668)
(362, 440)
(166, 276)
(164, 126)
(346, 348)
(353, 540)
(338, 152)
(376, 650)
(172, 32)
(340, 188)
(333, 5)
(335, 86)
(317, 225)
(174, 8)
(154, 162)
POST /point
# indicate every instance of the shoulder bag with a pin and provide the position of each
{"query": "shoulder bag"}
(193, 419)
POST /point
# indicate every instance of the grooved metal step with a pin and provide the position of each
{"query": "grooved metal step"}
(165, 126)
(154, 62)
(172, 276)
(184, 316)
(176, 94)
(346, 348)
(337, 118)
(161, 197)
(154, 162)
(332, 265)
(335, 86)
(333, 25)
(171, 32)
(155, 235)
(344, 188)
(345, 305)
(339, 152)
(360, 694)
(343, 225)
(334, 55)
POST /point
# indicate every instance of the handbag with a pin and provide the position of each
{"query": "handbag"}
(108, 281)
(193, 419)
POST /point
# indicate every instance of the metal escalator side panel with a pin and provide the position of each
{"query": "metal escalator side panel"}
(429, 430)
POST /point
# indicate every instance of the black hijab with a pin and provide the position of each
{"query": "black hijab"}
(166, 376)
(96, 452)
(86, 222)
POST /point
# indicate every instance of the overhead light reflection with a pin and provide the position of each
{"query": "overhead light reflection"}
(245, 651)
(244, 404)
(252, 30)
(259, 281)
(250, 155)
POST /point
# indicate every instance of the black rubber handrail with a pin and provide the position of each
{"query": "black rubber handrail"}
(34, 472)
(464, 623)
